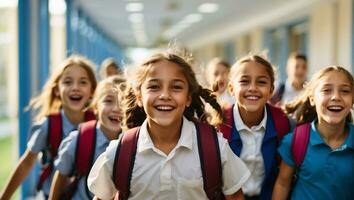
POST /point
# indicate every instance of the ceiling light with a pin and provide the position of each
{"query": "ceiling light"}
(208, 7)
(192, 18)
(136, 17)
(8, 3)
(57, 7)
(134, 7)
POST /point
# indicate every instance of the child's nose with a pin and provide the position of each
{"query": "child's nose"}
(336, 95)
(164, 95)
(252, 86)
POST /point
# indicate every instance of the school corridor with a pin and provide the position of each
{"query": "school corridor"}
(36, 35)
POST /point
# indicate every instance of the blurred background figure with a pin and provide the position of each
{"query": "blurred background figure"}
(296, 70)
(109, 67)
(217, 75)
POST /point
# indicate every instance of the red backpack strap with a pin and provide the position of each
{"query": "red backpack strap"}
(124, 161)
(54, 138)
(89, 115)
(210, 161)
(281, 121)
(85, 147)
(226, 127)
(299, 143)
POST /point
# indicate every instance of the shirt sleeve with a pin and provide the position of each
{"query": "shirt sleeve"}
(285, 150)
(100, 180)
(235, 173)
(39, 135)
(66, 154)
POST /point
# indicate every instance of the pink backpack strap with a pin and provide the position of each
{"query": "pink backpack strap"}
(226, 127)
(210, 161)
(124, 162)
(299, 143)
(85, 147)
(281, 121)
(55, 135)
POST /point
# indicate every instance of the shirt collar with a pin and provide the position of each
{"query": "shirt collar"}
(316, 139)
(241, 126)
(101, 137)
(185, 140)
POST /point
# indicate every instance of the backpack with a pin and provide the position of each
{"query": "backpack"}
(299, 143)
(281, 121)
(55, 136)
(278, 95)
(84, 154)
(209, 155)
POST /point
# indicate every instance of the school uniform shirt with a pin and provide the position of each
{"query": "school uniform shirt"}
(289, 93)
(38, 142)
(65, 161)
(251, 153)
(174, 176)
(324, 173)
(225, 98)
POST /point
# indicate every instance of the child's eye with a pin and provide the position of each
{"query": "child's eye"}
(177, 87)
(326, 90)
(346, 91)
(262, 82)
(67, 82)
(83, 82)
(108, 100)
(243, 81)
(153, 87)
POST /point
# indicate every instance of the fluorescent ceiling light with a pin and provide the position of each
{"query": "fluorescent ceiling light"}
(208, 7)
(57, 7)
(134, 7)
(192, 18)
(8, 3)
(136, 17)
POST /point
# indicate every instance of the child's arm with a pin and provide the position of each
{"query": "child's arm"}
(283, 183)
(19, 174)
(237, 196)
(58, 185)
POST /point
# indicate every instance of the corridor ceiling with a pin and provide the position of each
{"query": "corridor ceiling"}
(146, 23)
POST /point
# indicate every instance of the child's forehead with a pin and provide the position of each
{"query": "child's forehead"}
(74, 69)
(335, 77)
(250, 67)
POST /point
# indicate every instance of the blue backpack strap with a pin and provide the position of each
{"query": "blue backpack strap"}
(299, 143)
(55, 135)
(281, 121)
(124, 162)
(210, 161)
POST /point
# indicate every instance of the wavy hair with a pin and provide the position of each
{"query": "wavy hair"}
(47, 102)
(135, 115)
(301, 107)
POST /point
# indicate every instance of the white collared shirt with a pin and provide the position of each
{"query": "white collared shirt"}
(251, 153)
(174, 176)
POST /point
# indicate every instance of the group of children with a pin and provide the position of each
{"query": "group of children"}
(171, 148)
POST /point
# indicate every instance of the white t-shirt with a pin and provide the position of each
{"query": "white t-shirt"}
(289, 93)
(251, 152)
(174, 176)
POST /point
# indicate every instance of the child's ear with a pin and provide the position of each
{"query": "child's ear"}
(189, 101)
(56, 91)
(231, 89)
(139, 101)
(312, 101)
